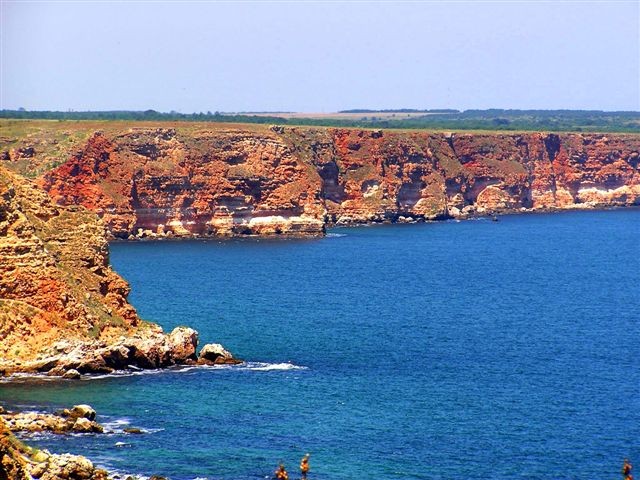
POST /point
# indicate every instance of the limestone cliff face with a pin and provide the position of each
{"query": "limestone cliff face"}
(376, 175)
(236, 180)
(220, 182)
(61, 306)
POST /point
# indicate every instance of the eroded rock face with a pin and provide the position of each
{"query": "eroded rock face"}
(63, 310)
(155, 181)
(215, 180)
(55, 281)
(182, 343)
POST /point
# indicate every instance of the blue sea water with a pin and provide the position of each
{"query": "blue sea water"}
(474, 349)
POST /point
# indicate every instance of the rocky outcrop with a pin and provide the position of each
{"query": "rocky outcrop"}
(79, 419)
(146, 348)
(20, 462)
(13, 464)
(63, 310)
(253, 180)
(215, 354)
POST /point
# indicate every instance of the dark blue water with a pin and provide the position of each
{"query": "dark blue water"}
(450, 350)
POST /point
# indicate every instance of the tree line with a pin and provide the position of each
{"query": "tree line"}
(493, 119)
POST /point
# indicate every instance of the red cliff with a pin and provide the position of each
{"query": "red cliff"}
(239, 179)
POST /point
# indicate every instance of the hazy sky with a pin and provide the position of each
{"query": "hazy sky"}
(319, 56)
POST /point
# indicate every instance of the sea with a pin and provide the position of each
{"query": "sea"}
(473, 349)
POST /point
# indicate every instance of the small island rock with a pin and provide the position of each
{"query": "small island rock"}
(216, 354)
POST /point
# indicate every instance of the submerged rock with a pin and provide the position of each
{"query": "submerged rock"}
(132, 430)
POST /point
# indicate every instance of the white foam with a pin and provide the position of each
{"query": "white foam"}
(252, 366)
(24, 377)
(41, 435)
(115, 426)
(266, 367)
(120, 475)
(123, 373)
(255, 366)
(43, 377)
(336, 235)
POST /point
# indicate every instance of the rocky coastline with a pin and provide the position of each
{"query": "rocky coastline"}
(64, 313)
(63, 310)
(146, 236)
(21, 462)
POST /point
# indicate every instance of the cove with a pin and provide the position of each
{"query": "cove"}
(471, 349)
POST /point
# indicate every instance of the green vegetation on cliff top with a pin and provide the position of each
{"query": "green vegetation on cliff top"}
(494, 119)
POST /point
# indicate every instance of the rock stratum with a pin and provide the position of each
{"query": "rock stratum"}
(63, 310)
(227, 180)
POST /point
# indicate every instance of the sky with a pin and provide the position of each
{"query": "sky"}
(319, 56)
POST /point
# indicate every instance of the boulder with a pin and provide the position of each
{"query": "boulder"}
(116, 356)
(84, 425)
(83, 411)
(66, 466)
(182, 342)
(149, 352)
(71, 374)
(93, 364)
(80, 418)
(215, 354)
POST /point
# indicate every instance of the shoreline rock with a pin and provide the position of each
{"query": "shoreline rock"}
(18, 461)
(21, 462)
(216, 354)
(73, 359)
(79, 419)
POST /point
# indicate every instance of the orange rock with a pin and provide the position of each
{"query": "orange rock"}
(62, 308)
(254, 180)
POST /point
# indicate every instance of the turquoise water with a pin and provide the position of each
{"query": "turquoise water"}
(473, 350)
